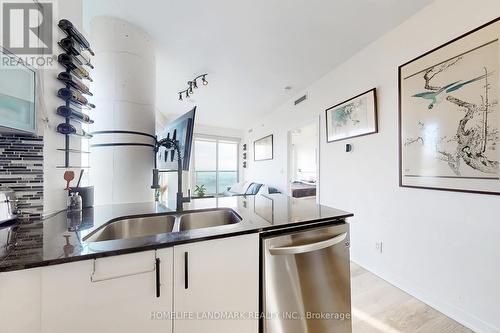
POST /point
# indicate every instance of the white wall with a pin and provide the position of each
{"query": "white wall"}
(161, 121)
(441, 247)
(200, 129)
(218, 131)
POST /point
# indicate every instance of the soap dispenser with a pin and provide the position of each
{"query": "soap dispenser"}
(75, 202)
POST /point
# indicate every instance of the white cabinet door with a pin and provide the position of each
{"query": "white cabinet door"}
(117, 300)
(217, 278)
(20, 301)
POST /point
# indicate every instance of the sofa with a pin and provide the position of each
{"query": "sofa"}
(249, 188)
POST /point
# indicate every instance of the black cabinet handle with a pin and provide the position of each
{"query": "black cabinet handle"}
(186, 271)
(158, 283)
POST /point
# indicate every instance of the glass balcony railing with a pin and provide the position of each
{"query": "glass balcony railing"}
(209, 179)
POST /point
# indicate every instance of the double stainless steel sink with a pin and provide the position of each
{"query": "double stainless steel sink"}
(150, 225)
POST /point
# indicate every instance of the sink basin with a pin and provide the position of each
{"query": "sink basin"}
(133, 227)
(207, 219)
(143, 226)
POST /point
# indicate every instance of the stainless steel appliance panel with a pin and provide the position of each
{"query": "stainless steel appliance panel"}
(307, 281)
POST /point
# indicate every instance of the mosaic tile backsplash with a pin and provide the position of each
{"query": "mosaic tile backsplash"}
(21, 169)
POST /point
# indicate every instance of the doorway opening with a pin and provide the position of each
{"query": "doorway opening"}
(303, 162)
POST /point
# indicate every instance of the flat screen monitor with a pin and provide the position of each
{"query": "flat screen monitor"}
(181, 130)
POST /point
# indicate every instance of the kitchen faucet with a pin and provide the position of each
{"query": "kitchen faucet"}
(170, 145)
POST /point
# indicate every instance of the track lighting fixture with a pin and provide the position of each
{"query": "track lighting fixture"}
(193, 85)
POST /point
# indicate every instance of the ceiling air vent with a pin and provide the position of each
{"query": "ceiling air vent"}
(300, 100)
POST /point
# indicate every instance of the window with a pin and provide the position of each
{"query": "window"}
(215, 163)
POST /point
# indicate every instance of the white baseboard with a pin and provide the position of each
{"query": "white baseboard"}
(450, 310)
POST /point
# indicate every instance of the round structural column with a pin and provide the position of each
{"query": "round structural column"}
(124, 92)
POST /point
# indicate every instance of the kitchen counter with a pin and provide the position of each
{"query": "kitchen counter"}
(58, 239)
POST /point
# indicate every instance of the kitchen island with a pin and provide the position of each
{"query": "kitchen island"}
(78, 272)
(59, 239)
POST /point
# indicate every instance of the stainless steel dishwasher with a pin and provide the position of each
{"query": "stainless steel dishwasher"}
(306, 281)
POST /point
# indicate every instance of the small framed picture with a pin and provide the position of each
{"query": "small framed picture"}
(355, 117)
(263, 148)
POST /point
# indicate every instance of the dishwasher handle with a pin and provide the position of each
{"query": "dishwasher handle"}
(308, 247)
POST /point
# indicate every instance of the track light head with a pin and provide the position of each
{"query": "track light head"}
(193, 85)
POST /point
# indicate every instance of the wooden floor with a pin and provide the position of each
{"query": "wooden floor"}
(378, 306)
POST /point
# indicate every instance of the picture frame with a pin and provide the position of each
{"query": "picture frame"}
(352, 118)
(263, 149)
(448, 115)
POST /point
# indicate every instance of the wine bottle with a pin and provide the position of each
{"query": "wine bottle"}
(67, 129)
(67, 61)
(70, 29)
(69, 45)
(74, 82)
(74, 97)
(68, 112)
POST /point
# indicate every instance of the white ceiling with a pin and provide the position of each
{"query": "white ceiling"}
(251, 49)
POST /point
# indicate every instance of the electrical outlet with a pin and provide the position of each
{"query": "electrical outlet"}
(379, 247)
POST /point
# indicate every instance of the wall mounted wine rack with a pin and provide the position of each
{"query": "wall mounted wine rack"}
(76, 60)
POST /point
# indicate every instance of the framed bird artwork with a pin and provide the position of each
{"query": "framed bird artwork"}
(448, 115)
(352, 118)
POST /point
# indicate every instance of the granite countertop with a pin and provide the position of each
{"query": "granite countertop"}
(58, 239)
